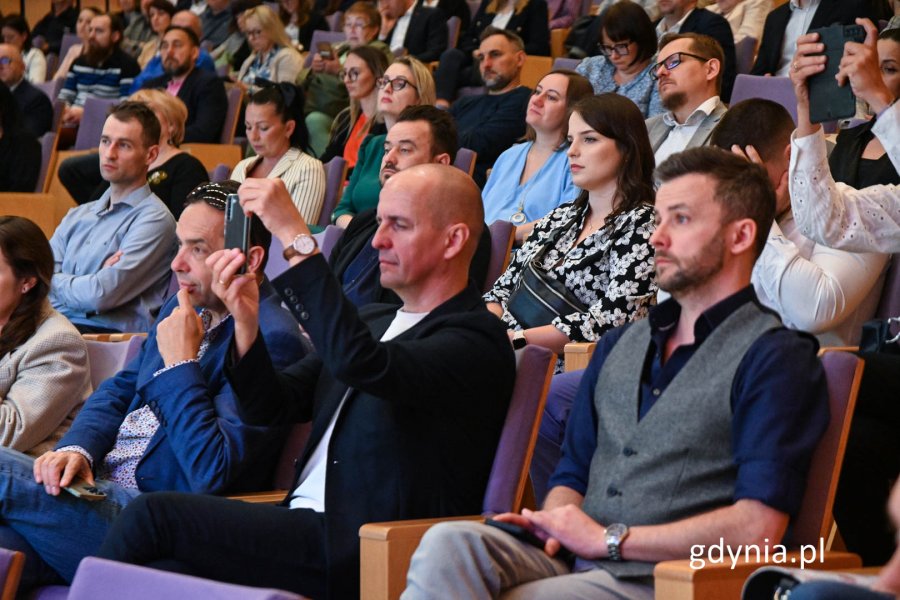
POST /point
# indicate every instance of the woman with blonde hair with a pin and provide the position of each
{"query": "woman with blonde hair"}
(274, 57)
(406, 82)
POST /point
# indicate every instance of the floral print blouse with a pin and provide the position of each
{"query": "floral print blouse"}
(611, 271)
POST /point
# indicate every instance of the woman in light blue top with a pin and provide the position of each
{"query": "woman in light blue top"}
(628, 46)
(532, 178)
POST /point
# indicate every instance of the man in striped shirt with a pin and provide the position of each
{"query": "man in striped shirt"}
(104, 71)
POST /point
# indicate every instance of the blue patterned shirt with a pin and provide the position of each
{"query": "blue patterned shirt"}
(642, 90)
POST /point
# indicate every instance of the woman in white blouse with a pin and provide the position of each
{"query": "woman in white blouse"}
(278, 135)
(16, 32)
(746, 17)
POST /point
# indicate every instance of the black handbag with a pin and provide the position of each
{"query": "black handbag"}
(539, 297)
(877, 337)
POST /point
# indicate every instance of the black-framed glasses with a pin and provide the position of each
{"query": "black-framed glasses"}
(620, 49)
(349, 74)
(397, 83)
(672, 61)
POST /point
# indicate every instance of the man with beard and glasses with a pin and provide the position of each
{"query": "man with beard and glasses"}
(689, 74)
(492, 122)
(747, 394)
(201, 91)
(104, 71)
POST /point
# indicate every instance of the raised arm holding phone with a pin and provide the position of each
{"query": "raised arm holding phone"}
(834, 214)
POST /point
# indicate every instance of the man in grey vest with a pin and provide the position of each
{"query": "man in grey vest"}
(691, 428)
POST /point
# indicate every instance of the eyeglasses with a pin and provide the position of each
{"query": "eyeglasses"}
(349, 25)
(254, 32)
(349, 74)
(620, 49)
(672, 61)
(397, 83)
(5, 60)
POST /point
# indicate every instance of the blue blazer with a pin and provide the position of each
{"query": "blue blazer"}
(202, 444)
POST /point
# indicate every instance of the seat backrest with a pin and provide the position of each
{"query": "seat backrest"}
(108, 357)
(453, 25)
(213, 155)
(46, 210)
(335, 172)
(97, 578)
(562, 62)
(11, 563)
(220, 173)
(777, 89)
(52, 64)
(558, 41)
(58, 108)
(509, 473)
(235, 96)
(465, 160)
(334, 21)
(889, 304)
(327, 238)
(275, 264)
(48, 144)
(534, 69)
(50, 87)
(68, 40)
(92, 120)
(473, 6)
(744, 53)
(332, 37)
(843, 371)
(503, 234)
(285, 469)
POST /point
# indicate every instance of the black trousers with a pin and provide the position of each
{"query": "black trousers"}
(81, 177)
(226, 540)
(871, 463)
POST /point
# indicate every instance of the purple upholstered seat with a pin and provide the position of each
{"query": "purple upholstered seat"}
(502, 235)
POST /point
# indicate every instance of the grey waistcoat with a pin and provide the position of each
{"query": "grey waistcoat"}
(677, 461)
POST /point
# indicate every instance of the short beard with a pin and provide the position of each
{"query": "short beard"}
(674, 101)
(697, 270)
(178, 71)
(496, 83)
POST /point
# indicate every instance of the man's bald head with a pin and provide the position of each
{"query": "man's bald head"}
(12, 67)
(185, 18)
(456, 199)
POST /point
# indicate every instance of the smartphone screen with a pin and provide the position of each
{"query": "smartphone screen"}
(237, 227)
(325, 50)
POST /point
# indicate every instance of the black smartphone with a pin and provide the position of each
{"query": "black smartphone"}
(237, 227)
(524, 535)
(829, 101)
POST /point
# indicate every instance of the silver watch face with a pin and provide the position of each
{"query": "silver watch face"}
(304, 244)
(615, 532)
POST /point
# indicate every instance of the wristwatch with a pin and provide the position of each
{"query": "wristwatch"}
(303, 245)
(615, 535)
(518, 340)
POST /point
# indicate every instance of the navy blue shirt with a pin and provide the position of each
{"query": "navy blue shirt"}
(779, 403)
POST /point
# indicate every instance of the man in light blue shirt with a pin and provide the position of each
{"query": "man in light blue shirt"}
(112, 255)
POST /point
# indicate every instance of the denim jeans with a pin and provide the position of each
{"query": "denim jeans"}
(52, 531)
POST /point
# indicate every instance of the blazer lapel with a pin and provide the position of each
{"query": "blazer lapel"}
(701, 136)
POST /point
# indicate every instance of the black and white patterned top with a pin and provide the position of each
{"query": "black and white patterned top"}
(611, 271)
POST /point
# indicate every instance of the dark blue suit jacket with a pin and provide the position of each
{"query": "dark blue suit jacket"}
(202, 445)
(417, 435)
(204, 95)
(35, 106)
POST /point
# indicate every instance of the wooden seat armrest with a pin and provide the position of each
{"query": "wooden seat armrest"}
(385, 550)
(851, 349)
(678, 580)
(270, 497)
(578, 355)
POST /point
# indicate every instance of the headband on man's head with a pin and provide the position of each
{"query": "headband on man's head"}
(214, 194)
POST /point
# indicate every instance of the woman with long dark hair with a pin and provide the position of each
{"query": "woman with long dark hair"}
(592, 255)
(42, 355)
(277, 133)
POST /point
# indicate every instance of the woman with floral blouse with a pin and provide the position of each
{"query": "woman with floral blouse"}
(597, 246)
